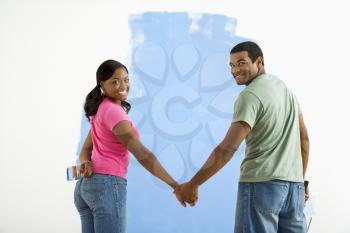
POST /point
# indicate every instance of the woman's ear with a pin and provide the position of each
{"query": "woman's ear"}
(102, 86)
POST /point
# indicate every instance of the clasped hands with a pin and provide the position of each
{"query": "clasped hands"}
(187, 193)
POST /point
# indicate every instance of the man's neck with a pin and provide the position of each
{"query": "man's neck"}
(259, 73)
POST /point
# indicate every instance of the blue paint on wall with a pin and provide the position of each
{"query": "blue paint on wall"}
(182, 96)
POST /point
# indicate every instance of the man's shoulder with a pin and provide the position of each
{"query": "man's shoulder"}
(265, 84)
(248, 97)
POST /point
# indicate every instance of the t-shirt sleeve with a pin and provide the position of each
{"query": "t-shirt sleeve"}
(113, 115)
(247, 108)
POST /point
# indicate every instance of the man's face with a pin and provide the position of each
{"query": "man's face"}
(242, 67)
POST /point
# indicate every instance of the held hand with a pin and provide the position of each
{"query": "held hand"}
(177, 192)
(187, 192)
(86, 169)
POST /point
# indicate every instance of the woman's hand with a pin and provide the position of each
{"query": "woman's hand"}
(86, 169)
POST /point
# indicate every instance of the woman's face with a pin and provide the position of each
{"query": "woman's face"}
(117, 86)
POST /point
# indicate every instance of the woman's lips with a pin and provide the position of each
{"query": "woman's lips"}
(122, 93)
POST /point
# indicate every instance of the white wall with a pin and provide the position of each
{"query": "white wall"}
(49, 52)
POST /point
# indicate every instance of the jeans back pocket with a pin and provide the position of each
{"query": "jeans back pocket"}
(93, 189)
(269, 197)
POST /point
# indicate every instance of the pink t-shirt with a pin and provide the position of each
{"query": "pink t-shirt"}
(109, 155)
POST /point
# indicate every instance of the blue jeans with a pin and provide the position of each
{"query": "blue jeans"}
(101, 203)
(269, 207)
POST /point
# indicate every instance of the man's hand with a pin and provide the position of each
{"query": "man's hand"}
(307, 195)
(187, 192)
(86, 169)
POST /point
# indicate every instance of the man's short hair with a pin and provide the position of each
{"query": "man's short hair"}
(254, 51)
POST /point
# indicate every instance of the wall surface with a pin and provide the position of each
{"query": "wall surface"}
(49, 52)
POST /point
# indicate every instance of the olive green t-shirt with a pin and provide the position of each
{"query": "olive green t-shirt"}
(273, 148)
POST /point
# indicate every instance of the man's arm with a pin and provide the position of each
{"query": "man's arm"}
(304, 141)
(218, 158)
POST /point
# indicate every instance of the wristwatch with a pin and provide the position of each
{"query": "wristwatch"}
(306, 183)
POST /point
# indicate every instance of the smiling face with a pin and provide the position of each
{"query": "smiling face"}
(117, 86)
(243, 69)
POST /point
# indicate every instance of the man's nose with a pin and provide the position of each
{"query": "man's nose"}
(234, 70)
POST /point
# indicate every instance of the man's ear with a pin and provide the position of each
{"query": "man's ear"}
(260, 62)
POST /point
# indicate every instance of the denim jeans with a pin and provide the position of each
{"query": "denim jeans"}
(269, 207)
(101, 203)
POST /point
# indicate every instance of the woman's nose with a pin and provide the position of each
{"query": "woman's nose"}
(122, 85)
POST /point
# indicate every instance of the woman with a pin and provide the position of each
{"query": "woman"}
(100, 196)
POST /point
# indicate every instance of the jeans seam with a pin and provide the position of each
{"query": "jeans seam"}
(300, 203)
(246, 200)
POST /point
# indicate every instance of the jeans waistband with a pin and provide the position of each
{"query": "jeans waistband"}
(110, 177)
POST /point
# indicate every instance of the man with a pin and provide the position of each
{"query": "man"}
(267, 115)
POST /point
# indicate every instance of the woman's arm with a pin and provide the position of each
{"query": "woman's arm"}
(146, 158)
(85, 157)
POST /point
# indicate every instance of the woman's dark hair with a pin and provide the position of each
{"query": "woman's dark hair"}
(254, 51)
(95, 97)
